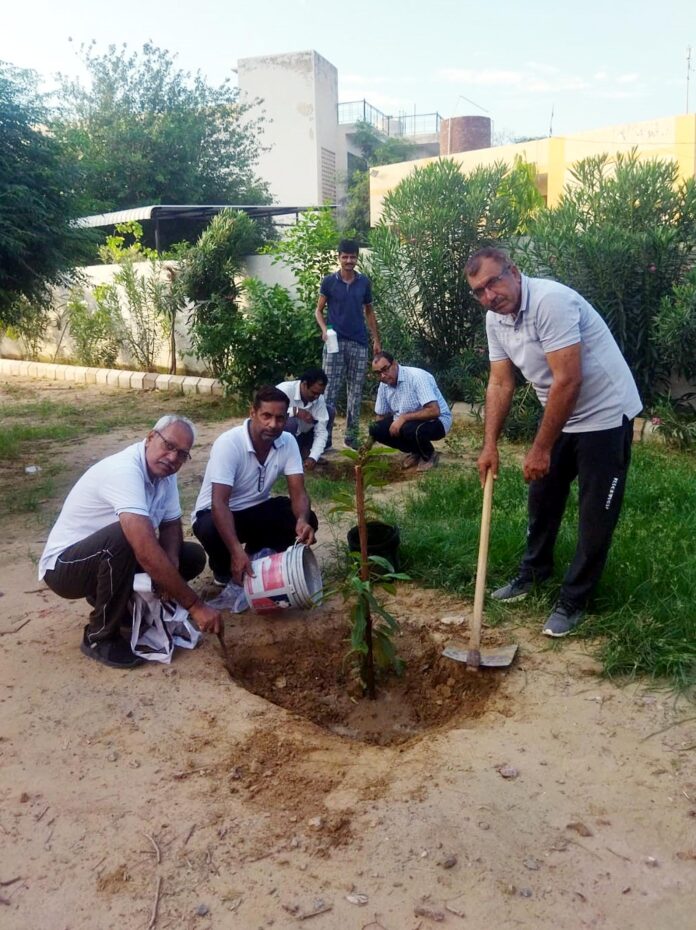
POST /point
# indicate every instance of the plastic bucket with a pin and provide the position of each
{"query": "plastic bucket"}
(284, 579)
(382, 539)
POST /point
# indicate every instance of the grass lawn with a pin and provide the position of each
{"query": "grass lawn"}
(644, 611)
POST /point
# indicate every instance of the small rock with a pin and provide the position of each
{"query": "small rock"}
(651, 861)
(355, 897)
(525, 892)
(432, 913)
(202, 910)
(532, 864)
(579, 828)
(508, 771)
(316, 823)
(449, 862)
(32, 469)
(484, 825)
(424, 854)
(280, 682)
(112, 757)
(23, 798)
(453, 620)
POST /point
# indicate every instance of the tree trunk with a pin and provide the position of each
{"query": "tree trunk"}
(369, 660)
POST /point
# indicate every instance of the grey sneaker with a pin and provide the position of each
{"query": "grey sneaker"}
(563, 620)
(515, 590)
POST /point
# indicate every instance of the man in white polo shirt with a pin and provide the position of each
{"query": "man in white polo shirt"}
(235, 506)
(123, 516)
(411, 412)
(310, 418)
(564, 348)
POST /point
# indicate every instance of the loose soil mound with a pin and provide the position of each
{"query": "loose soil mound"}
(301, 664)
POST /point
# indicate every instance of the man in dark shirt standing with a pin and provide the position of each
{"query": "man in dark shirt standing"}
(348, 295)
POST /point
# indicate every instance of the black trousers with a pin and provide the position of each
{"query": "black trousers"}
(100, 568)
(270, 524)
(599, 460)
(415, 436)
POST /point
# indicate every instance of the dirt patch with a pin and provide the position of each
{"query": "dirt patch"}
(307, 671)
(258, 811)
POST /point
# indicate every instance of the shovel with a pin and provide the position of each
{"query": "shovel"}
(501, 656)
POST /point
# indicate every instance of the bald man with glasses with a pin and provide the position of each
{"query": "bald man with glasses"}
(565, 350)
(122, 517)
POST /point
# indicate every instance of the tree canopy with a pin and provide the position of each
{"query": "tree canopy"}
(38, 244)
(144, 131)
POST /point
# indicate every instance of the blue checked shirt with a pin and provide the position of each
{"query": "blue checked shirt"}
(414, 389)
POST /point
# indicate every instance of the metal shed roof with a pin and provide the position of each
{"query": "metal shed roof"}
(159, 212)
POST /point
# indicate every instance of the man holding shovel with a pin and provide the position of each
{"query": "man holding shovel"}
(564, 348)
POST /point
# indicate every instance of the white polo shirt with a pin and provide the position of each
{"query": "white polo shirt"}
(118, 484)
(233, 462)
(317, 408)
(551, 317)
(414, 388)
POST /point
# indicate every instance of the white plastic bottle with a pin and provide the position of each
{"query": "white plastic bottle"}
(331, 340)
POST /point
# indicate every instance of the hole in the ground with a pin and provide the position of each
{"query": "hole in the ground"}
(297, 661)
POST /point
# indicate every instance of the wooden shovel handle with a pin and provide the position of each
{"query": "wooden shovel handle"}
(482, 565)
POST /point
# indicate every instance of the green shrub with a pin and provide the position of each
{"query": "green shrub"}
(675, 328)
(273, 339)
(431, 222)
(623, 234)
(675, 420)
(94, 333)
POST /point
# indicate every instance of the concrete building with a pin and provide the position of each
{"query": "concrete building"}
(309, 136)
(672, 137)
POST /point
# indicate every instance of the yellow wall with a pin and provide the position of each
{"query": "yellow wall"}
(671, 137)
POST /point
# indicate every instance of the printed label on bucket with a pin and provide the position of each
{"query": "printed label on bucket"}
(269, 589)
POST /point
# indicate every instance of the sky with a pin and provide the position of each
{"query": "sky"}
(532, 67)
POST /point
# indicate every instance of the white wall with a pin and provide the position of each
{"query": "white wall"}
(57, 349)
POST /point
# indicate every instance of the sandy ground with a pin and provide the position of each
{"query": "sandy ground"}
(176, 797)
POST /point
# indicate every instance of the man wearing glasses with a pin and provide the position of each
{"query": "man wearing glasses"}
(411, 412)
(564, 348)
(123, 516)
(235, 506)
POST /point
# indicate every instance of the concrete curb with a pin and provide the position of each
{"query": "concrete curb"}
(125, 380)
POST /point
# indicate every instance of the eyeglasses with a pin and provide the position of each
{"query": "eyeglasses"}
(262, 478)
(182, 454)
(378, 372)
(480, 292)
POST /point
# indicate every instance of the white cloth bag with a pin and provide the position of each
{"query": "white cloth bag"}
(159, 626)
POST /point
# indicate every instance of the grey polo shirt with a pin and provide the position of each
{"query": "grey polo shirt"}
(551, 317)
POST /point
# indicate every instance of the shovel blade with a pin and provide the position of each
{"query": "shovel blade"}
(498, 657)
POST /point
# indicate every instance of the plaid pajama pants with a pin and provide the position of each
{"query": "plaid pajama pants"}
(350, 362)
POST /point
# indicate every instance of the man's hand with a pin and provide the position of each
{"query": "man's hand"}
(304, 532)
(396, 426)
(208, 620)
(309, 464)
(488, 459)
(537, 463)
(304, 415)
(240, 565)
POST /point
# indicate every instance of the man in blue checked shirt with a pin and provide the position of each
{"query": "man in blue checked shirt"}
(411, 412)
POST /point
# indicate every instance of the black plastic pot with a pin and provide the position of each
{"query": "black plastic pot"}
(382, 539)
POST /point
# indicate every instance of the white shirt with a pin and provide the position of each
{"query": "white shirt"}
(319, 412)
(414, 388)
(118, 484)
(551, 317)
(233, 463)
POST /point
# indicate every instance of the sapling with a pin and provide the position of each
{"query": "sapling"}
(372, 626)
